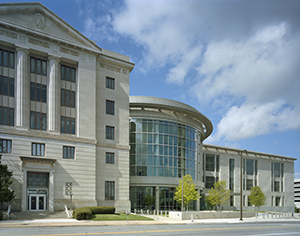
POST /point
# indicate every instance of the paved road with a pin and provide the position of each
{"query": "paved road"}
(245, 229)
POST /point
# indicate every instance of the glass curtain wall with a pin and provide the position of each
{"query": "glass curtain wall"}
(162, 148)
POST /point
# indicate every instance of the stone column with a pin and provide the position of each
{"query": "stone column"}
(157, 197)
(54, 95)
(22, 93)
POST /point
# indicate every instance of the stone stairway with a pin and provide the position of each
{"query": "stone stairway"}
(35, 215)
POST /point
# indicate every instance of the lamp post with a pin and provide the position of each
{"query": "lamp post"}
(182, 195)
(241, 185)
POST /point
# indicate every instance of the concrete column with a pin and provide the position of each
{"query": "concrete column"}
(51, 190)
(22, 93)
(24, 192)
(198, 202)
(54, 95)
(157, 198)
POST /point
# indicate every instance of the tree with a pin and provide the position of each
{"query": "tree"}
(149, 199)
(257, 197)
(218, 194)
(189, 191)
(6, 194)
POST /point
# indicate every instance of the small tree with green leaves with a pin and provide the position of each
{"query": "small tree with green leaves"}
(149, 199)
(6, 194)
(257, 197)
(189, 191)
(218, 195)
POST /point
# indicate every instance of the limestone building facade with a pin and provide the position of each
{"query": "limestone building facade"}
(64, 108)
(72, 135)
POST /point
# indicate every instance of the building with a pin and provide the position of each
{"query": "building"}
(297, 194)
(166, 139)
(64, 113)
(72, 135)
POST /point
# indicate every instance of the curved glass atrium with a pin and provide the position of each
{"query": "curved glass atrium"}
(162, 148)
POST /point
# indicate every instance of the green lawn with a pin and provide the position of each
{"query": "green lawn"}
(117, 216)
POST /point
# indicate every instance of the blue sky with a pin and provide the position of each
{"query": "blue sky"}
(236, 61)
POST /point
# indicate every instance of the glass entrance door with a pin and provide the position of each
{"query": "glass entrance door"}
(37, 202)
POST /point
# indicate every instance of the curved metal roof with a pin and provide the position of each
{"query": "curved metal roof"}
(171, 105)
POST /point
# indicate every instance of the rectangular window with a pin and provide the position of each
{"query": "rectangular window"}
(110, 132)
(110, 107)
(249, 166)
(68, 73)
(38, 149)
(67, 98)
(277, 201)
(231, 200)
(7, 86)
(5, 146)
(37, 120)
(67, 125)
(231, 174)
(210, 162)
(68, 152)
(249, 184)
(6, 116)
(38, 92)
(110, 158)
(209, 181)
(109, 190)
(38, 66)
(7, 59)
(110, 83)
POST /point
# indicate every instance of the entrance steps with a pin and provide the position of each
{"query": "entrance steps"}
(35, 215)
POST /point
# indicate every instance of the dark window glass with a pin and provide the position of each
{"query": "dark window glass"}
(11, 116)
(38, 92)
(109, 190)
(67, 98)
(62, 126)
(44, 93)
(210, 162)
(11, 87)
(73, 75)
(67, 125)
(110, 107)
(32, 120)
(277, 169)
(37, 120)
(11, 60)
(1, 85)
(110, 158)
(68, 73)
(5, 146)
(44, 68)
(38, 149)
(110, 132)
(72, 99)
(249, 166)
(209, 183)
(5, 86)
(72, 126)
(110, 83)
(68, 152)
(5, 116)
(44, 121)
(32, 91)
(0, 57)
(5, 58)
(62, 97)
(32, 65)
(63, 71)
(38, 66)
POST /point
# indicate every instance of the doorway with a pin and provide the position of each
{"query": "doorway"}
(37, 202)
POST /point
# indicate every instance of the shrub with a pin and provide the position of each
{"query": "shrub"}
(1, 215)
(86, 213)
(83, 213)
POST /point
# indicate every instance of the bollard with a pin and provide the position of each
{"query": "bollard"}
(192, 218)
(256, 215)
(263, 215)
(272, 215)
(148, 212)
(134, 211)
(154, 212)
(268, 215)
(161, 213)
(166, 214)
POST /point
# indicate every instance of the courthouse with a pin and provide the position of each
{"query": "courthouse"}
(70, 130)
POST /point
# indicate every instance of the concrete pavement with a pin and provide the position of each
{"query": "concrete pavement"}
(64, 222)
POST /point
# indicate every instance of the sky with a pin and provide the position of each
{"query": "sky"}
(236, 61)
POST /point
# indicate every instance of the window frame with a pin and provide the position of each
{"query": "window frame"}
(63, 125)
(110, 190)
(110, 158)
(9, 62)
(36, 149)
(69, 155)
(8, 147)
(110, 132)
(110, 83)
(110, 107)
(34, 69)
(41, 118)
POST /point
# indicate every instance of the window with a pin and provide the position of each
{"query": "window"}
(68, 73)
(7, 116)
(110, 158)
(110, 83)
(210, 162)
(68, 98)
(249, 184)
(7, 59)
(277, 173)
(37, 120)
(67, 125)
(38, 149)
(231, 200)
(277, 201)
(7, 86)
(38, 66)
(38, 92)
(110, 132)
(110, 107)
(109, 190)
(68, 152)
(209, 183)
(5, 146)
(231, 174)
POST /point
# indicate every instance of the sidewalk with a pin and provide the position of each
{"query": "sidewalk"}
(63, 222)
